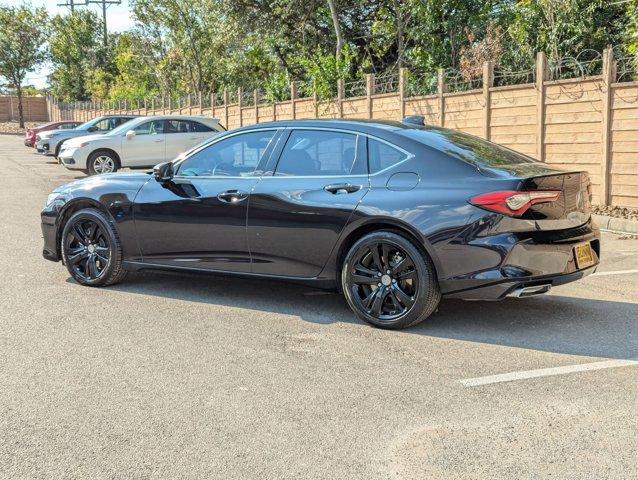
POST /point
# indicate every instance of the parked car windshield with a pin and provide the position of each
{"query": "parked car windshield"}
(88, 124)
(123, 128)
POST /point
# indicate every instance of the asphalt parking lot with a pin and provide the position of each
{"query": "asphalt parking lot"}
(168, 376)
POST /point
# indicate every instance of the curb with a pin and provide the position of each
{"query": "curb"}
(616, 225)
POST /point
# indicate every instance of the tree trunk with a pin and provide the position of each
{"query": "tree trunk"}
(20, 111)
(337, 27)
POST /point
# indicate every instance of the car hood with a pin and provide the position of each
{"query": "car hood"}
(76, 141)
(107, 182)
(62, 133)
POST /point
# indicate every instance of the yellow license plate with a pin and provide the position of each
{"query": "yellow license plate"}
(584, 255)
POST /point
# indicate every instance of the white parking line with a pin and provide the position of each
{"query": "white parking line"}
(614, 272)
(547, 372)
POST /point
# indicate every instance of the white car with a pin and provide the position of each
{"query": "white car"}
(142, 142)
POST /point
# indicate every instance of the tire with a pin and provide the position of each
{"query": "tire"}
(102, 161)
(91, 249)
(406, 296)
(56, 155)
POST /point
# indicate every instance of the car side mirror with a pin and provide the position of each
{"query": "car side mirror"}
(130, 134)
(163, 172)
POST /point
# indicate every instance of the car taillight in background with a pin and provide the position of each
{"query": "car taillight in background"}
(513, 203)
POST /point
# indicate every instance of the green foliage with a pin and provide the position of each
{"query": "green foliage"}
(76, 51)
(181, 47)
(22, 34)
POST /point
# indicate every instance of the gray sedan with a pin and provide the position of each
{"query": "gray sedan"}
(49, 143)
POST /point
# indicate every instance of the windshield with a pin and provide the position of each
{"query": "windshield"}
(123, 128)
(90, 123)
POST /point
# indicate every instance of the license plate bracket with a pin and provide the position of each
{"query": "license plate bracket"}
(584, 255)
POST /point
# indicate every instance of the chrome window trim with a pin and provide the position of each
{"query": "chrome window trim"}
(265, 175)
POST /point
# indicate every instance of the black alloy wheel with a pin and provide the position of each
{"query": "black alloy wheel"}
(388, 282)
(91, 249)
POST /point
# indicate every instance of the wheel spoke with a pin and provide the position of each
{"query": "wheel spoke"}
(365, 270)
(385, 256)
(396, 302)
(364, 279)
(402, 265)
(75, 256)
(377, 304)
(79, 234)
(368, 300)
(104, 260)
(404, 299)
(92, 267)
(376, 258)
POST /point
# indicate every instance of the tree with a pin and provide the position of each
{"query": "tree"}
(22, 35)
(76, 51)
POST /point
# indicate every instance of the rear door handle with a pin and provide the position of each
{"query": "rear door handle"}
(341, 188)
(232, 196)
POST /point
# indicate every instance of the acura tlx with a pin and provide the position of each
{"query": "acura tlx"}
(393, 214)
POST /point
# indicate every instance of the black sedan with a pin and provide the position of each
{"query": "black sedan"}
(394, 214)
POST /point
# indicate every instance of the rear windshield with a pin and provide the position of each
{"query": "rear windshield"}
(468, 148)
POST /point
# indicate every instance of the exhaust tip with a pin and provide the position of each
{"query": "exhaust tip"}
(530, 291)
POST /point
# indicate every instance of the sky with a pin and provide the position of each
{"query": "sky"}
(117, 19)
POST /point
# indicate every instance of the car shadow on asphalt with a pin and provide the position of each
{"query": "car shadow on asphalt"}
(552, 323)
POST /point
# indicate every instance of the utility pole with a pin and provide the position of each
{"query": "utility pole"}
(71, 4)
(105, 4)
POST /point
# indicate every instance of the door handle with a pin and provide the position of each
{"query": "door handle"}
(159, 140)
(341, 188)
(232, 196)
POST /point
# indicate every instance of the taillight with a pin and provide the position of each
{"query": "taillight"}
(513, 203)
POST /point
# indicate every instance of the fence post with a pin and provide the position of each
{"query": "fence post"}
(225, 107)
(341, 89)
(315, 99)
(488, 82)
(541, 76)
(256, 100)
(201, 104)
(369, 92)
(240, 94)
(293, 96)
(440, 90)
(190, 104)
(609, 77)
(402, 72)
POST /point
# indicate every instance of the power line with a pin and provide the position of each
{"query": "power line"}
(105, 4)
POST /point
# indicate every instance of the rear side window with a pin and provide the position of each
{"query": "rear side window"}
(177, 126)
(318, 153)
(382, 156)
(200, 127)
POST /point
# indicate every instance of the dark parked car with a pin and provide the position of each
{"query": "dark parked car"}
(393, 214)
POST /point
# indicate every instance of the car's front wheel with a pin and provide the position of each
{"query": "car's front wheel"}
(388, 282)
(91, 249)
(102, 161)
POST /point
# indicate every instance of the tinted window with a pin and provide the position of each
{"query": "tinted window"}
(119, 121)
(150, 128)
(68, 126)
(178, 126)
(382, 156)
(468, 148)
(235, 156)
(318, 152)
(200, 127)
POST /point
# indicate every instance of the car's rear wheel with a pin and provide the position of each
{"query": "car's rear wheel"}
(91, 249)
(102, 161)
(388, 282)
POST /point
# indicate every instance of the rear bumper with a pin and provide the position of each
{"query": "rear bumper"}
(517, 261)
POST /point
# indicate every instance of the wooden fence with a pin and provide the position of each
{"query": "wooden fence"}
(35, 109)
(585, 123)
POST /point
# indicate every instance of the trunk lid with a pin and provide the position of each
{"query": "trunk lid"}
(573, 207)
